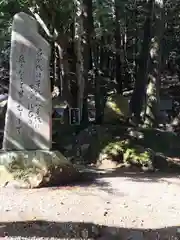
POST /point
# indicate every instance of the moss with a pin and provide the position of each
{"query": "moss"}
(143, 152)
(139, 156)
(116, 108)
(115, 148)
(37, 168)
(126, 152)
(137, 146)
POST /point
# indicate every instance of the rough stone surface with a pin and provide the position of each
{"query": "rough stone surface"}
(33, 169)
(28, 117)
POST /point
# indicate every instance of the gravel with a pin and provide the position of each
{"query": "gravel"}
(136, 206)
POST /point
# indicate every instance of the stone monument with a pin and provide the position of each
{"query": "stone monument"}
(28, 117)
(27, 157)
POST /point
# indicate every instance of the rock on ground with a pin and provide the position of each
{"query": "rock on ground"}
(33, 169)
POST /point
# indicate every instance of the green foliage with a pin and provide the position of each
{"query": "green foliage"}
(154, 149)
(60, 14)
(7, 10)
(138, 155)
(124, 151)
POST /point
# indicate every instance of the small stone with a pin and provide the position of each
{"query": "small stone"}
(6, 183)
(5, 234)
(105, 213)
(84, 233)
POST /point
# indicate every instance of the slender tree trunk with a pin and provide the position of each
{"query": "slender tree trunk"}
(118, 46)
(63, 66)
(152, 105)
(72, 59)
(83, 31)
(138, 96)
(58, 69)
(102, 54)
(98, 70)
(91, 34)
(87, 32)
(135, 41)
(79, 54)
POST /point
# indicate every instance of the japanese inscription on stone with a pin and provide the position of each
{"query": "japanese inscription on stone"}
(28, 117)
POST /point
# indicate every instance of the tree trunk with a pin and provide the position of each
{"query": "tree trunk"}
(58, 69)
(63, 66)
(153, 88)
(79, 54)
(87, 39)
(118, 46)
(138, 95)
(135, 41)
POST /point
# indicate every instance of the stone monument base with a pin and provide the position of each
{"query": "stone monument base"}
(35, 169)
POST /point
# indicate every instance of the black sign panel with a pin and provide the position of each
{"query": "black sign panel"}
(74, 116)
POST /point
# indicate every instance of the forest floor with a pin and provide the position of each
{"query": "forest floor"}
(127, 205)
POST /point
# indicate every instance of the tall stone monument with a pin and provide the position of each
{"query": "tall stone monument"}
(28, 117)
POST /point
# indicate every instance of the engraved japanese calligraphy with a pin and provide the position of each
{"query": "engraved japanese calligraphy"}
(27, 124)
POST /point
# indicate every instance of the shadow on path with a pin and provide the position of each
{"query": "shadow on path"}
(92, 177)
(79, 230)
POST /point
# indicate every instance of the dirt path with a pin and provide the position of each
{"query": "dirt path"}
(113, 208)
